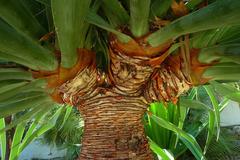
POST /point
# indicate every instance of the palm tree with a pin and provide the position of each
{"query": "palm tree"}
(111, 59)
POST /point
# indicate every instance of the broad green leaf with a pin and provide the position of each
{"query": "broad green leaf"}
(18, 15)
(159, 134)
(18, 135)
(220, 36)
(10, 87)
(42, 129)
(18, 46)
(115, 12)
(25, 117)
(227, 91)
(159, 151)
(14, 89)
(23, 96)
(218, 14)
(16, 59)
(196, 128)
(215, 106)
(8, 109)
(139, 14)
(194, 104)
(160, 7)
(210, 131)
(37, 119)
(95, 19)
(223, 71)
(191, 4)
(67, 114)
(3, 139)
(69, 19)
(226, 53)
(211, 117)
(187, 139)
(12, 73)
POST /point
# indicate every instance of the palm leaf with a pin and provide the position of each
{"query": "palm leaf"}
(115, 12)
(139, 13)
(69, 19)
(187, 139)
(19, 16)
(95, 19)
(20, 47)
(14, 73)
(3, 139)
(218, 14)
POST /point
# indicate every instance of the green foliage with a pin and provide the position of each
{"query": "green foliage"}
(115, 12)
(22, 49)
(67, 132)
(19, 16)
(160, 7)
(2, 139)
(27, 130)
(139, 13)
(195, 113)
(218, 14)
(69, 20)
(25, 42)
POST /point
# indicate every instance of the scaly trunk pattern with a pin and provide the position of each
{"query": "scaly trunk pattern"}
(113, 103)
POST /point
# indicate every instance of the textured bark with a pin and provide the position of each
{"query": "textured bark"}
(112, 106)
(113, 128)
(113, 103)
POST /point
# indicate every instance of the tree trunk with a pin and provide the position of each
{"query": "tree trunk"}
(113, 103)
(114, 129)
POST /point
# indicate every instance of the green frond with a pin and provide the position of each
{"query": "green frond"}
(139, 14)
(14, 74)
(223, 72)
(8, 109)
(222, 35)
(218, 14)
(191, 4)
(186, 138)
(227, 91)
(95, 19)
(3, 139)
(19, 16)
(71, 28)
(115, 12)
(222, 53)
(20, 47)
(160, 7)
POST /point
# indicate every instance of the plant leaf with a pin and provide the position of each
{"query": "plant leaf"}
(69, 19)
(158, 150)
(223, 71)
(16, 14)
(95, 19)
(115, 12)
(226, 53)
(215, 106)
(12, 108)
(14, 73)
(18, 46)
(139, 14)
(187, 139)
(160, 7)
(2, 139)
(18, 134)
(218, 14)
(211, 118)
(42, 129)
